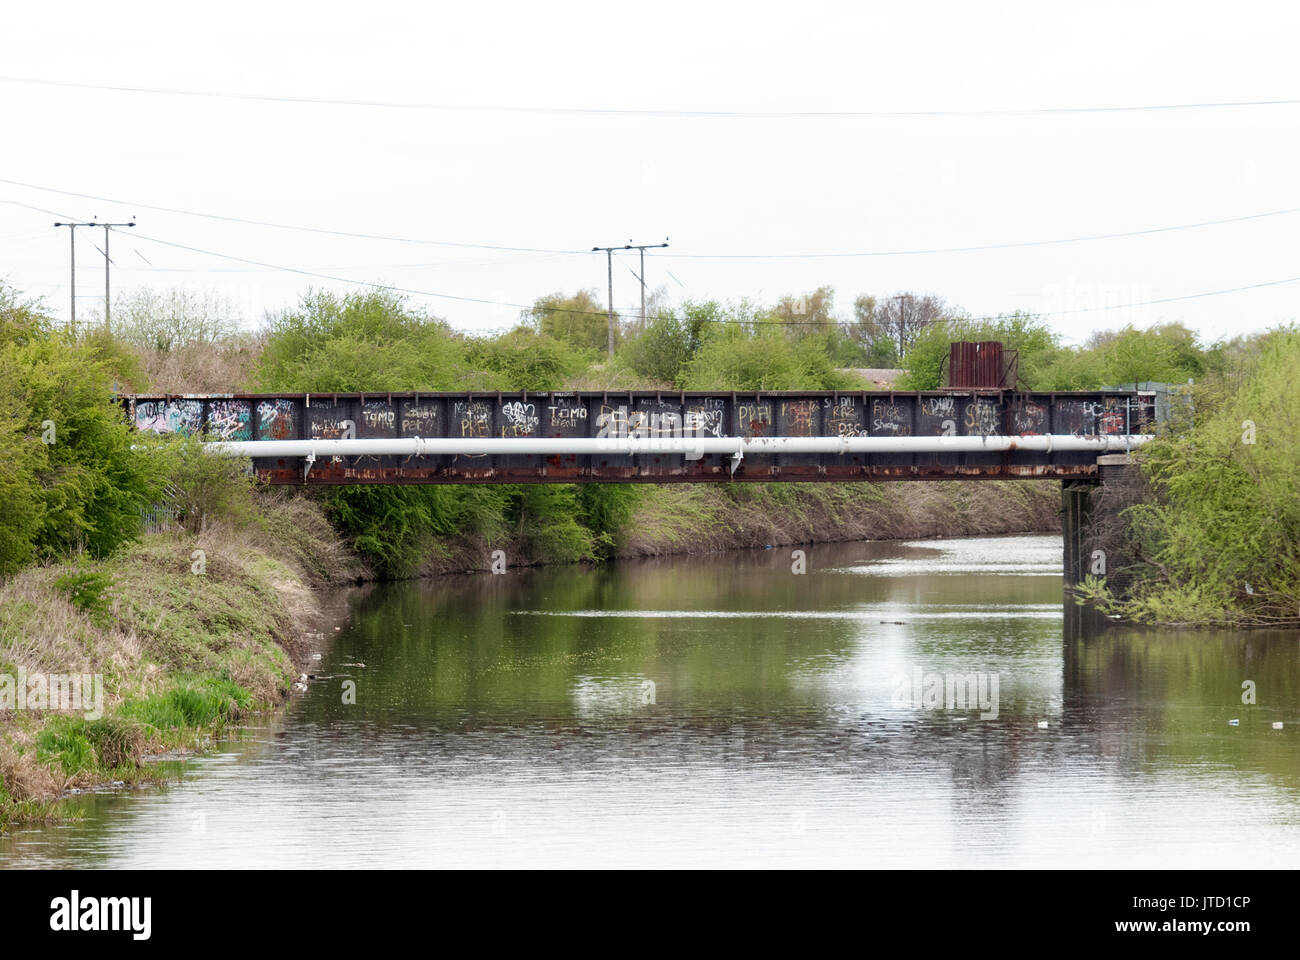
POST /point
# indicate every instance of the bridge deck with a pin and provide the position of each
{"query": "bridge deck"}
(651, 414)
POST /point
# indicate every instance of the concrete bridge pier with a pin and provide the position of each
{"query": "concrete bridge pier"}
(1084, 507)
(1076, 515)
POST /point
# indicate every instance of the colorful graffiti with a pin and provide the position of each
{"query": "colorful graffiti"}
(169, 416)
(275, 420)
(230, 419)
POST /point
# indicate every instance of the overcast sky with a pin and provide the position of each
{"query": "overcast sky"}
(717, 187)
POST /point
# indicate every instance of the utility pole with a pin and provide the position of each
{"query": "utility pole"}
(609, 258)
(902, 319)
(72, 236)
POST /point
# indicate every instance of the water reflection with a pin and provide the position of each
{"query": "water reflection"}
(727, 711)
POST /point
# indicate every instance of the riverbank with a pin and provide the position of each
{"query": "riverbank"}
(165, 643)
(189, 633)
(697, 519)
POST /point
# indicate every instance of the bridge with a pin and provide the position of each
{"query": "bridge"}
(658, 436)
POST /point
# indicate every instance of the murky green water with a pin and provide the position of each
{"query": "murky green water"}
(726, 711)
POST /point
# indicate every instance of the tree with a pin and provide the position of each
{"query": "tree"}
(738, 359)
(878, 347)
(659, 350)
(904, 316)
(173, 318)
(363, 341)
(579, 320)
(69, 477)
(808, 314)
(524, 359)
(1033, 341)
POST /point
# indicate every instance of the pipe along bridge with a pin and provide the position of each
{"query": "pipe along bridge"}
(658, 436)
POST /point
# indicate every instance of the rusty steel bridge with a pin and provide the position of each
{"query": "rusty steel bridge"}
(658, 436)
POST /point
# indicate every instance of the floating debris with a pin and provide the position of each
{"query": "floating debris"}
(1042, 724)
(1234, 722)
(1277, 724)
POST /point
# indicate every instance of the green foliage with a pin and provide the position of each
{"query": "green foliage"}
(1222, 537)
(736, 359)
(165, 321)
(525, 359)
(659, 350)
(1169, 353)
(203, 486)
(63, 742)
(88, 590)
(389, 526)
(369, 341)
(579, 320)
(75, 745)
(882, 354)
(23, 459)
(118, 741)
(924, 363)
(926, 359)
(546, 516)
(202, 704)
(71, 476)
(22, 319)
(606, 509)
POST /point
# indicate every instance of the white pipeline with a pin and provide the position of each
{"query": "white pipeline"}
(737, 447)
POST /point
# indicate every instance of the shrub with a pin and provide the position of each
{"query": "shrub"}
(69, 472)
(1222, 532)
(87, 590)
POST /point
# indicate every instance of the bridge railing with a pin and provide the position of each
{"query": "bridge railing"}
(645, 416)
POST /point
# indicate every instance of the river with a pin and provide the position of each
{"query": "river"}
(729, 711)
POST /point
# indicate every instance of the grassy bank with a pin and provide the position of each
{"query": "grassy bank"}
(184, 647)
(1210, 535)
(707, 518)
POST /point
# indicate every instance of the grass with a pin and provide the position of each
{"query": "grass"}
(700, 518)
(183, 654)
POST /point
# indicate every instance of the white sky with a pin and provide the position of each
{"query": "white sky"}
(715, 186)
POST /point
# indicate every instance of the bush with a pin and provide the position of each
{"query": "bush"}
(70, 476)
(87, 590)
(524, 359)
(370, 341)
(118, 741)
(606, 509)
(735, 359)
(660, 350)
(203, 486)
(1222, 534)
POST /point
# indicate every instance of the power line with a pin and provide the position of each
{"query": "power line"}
(985, 246)
(28, 206)
(785, 323)
(658, 112)
(288, 226)
(324, 276)
(1083, 238)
